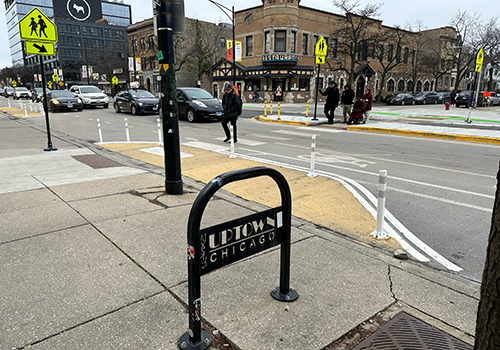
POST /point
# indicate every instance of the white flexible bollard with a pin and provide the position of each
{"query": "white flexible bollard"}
(232, 143)
(26, 112)
(313, 157)
(382, 186)
(100, 132)
(9, 102)
(127, 133)
(159, 131)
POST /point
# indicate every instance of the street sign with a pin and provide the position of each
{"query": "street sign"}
(320, 59)
(55, 77)
(61, 83)
(157, 2)
(49, 84)
(36, 26)
(321, 47)
(480, 57)
(478, 67)
(114, 80)
(14, 83)
(39, 48)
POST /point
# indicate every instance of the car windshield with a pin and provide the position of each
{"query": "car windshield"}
(89, 90)
(21, 89)
(9, 89)
(400, 95)
(198, 94)
(56, 94)
(421, 94)
(142, 94)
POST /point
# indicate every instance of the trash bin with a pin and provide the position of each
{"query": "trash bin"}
(447, 106)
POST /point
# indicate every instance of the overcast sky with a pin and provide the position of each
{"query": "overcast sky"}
(433, 13)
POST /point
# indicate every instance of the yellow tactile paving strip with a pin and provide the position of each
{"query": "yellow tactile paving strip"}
(322, 201)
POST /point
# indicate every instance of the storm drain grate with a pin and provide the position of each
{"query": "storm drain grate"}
(96, 161)
(405, 332)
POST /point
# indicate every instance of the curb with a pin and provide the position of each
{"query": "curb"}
(434, 135)
(289, 122)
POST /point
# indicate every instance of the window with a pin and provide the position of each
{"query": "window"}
(413, 57)
(406, 55)
(304, 44)
(293, 42)
(249, 45)
(267, 42)
(410, 86)
(222, 42)
(390, 53)
(68, 29)
(93, 42)
(151, 42)
(115, 34)
(446, 81)
(381, 53)
(142, 42)
(304, 84)
(427, 86)
(144, 63)
(398, 54)
(152, 62)
(92, 31)
(280, 41)
(401, 85)
(315, 41)
(333, 49)
(363, 51)
(419, 86)
(70, 41)
(390, 85)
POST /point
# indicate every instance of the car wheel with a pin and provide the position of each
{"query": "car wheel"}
(79, 109)
(106, 105)
(424, 102)
(133, 109)
(413, 102)
(190, 116)
(117, 109)
(435, 102)
(403, 103)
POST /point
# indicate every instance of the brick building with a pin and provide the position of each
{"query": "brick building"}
(278, 43)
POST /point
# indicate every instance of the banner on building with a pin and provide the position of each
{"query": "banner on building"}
(131, 64)
(229, 44)
(84, 72)
(138, 66)
(36, 77)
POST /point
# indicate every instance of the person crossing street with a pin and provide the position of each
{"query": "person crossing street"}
(231, 104)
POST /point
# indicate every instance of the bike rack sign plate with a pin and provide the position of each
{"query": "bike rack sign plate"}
(36, 26)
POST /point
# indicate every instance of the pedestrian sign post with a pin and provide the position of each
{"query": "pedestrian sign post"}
(49, 85)
(114, 80)
(36, 26)
(39, 48)
(479, 60)
(479, 65)
(55, 77)
(320, 51)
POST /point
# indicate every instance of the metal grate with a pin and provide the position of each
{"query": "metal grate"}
(96, 161)
(406, 332)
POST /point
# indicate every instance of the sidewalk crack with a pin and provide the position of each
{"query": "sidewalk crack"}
(390, 282)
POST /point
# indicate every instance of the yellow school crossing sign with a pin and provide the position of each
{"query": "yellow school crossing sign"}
(37, 27)
(114, 80)
(320, 50)
(39, 48)
(479, 60)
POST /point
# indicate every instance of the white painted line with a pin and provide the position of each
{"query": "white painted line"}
(159, 152)
(292, 133)
(108, 123)
(207, 146)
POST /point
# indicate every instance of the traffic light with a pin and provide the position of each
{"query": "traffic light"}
(177, 10)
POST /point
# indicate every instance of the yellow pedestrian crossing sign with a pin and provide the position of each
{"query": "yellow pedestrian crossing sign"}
(114, 80)
(39, 48)
(36, 26)
(321, 47)
(320, 59)
(49, 84)
(55, 77)
(480, 56)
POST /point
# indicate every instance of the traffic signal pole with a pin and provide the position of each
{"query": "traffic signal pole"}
(168, 95)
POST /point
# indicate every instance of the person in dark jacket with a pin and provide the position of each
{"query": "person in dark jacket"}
(453, 95)
(332, 100)
(367, 100)
(347, 98)
(231, 104)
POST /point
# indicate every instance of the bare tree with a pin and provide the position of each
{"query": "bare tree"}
(489, 34)
(354, 35)
(488, 314)
(417, 42)
(435, 60)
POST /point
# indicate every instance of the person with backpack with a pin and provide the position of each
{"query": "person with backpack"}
(232, 106)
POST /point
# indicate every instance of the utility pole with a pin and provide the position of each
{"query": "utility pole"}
(169, 19)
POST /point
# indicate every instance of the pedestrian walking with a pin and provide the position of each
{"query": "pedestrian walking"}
(367, 100)
(332, 100)
(453, 95)
(231, 103)
(255, 95)
(347, 98)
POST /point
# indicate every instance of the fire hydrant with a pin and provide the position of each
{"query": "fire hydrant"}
(447, 106)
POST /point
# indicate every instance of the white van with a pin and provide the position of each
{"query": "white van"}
(90, 95)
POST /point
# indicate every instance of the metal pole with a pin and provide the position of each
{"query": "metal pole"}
(234, 52)
(168, 100)
(316, 100)
(382, 186)
(475, 97)
(46, 110)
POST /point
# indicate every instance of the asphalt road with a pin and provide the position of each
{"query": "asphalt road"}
(442, 191)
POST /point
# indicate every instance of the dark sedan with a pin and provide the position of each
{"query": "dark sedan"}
(135, 102)
(401, 99)
(9, 91)
(195, 104)
(444, 97)
(426, 97)
(37, 94)
(59, 100)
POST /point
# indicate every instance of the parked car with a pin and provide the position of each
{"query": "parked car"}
(90, 95)
(494, 99)
(464, 98)
(195, 104)
(401, 99)
(9, 91)
(444, 97)
(2, 91)
(135, 102)
(59, 100)
(426, 97)
(37, 94)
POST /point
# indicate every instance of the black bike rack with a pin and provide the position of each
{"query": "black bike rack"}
(223, 244)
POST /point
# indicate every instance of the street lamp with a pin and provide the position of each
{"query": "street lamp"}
(228, 11)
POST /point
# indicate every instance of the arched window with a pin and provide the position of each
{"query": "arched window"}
(401, 85)
(390, 85)
(419, 86)
(427, 86)
(409, 86)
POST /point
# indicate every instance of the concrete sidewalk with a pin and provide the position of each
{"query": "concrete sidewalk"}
(94, 255)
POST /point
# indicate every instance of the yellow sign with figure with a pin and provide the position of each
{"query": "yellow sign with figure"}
(55, 77)
(480, 57)
(321, 47)
(114, 80)
(320, 59)
(36, 26)
(33, 48)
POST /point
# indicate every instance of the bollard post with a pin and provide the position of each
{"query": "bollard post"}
(271, 112)
(313, 157)
(31, 107)
(8, 99)
(382, 186)
(100, 132)
(279, 118)
(232, 143)
(127, 133)
(307, 109)
(159, 131)
(265, 108)
(26, 112)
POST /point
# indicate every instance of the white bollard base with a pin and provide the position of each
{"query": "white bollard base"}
(312, 174)
(380, 235)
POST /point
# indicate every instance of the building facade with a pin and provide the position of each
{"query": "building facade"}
(278, 43)
(88, 32)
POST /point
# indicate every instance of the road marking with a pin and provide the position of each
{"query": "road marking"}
(159, 152)
(207, 146)
(338, 158)
(269, 137)
(316, 130)
(108, 122)
(292, 133)
(248, 142)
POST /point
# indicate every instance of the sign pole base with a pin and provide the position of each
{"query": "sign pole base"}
(291, 296)
(184, 342)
